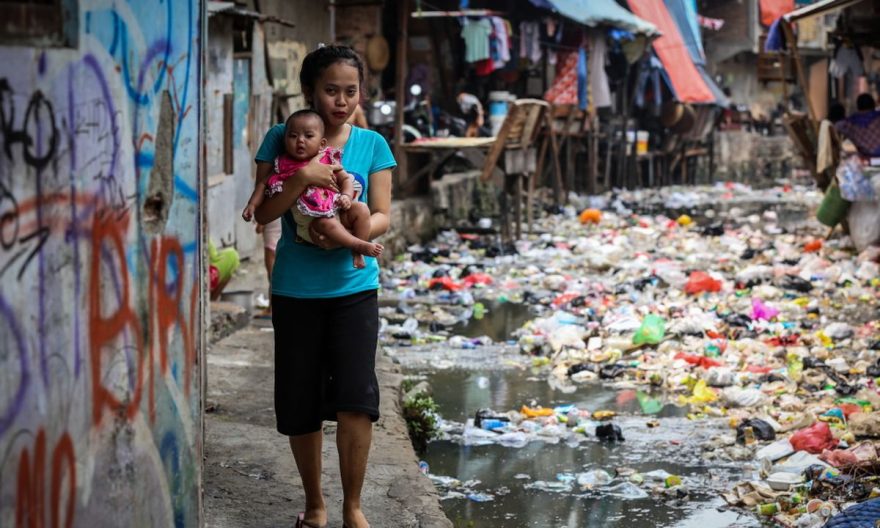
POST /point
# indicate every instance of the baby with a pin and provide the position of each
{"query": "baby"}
(332, 213)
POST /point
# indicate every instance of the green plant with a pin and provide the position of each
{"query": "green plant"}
(420, 413)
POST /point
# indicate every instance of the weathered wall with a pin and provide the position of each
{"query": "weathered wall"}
(288, 46)
(100, 281)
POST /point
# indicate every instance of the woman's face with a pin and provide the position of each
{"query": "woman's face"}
(337, 93)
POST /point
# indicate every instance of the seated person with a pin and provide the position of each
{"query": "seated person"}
(863, 127)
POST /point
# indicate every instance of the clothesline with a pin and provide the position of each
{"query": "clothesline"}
(460, 13)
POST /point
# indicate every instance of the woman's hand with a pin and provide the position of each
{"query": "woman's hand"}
(319, 174)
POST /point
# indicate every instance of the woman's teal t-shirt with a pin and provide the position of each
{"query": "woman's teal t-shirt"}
(304, 270)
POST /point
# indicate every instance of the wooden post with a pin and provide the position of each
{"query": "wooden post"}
(792, 43)
(400, 92)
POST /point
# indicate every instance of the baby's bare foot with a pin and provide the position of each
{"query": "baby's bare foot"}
(369, 249)
(358, 260)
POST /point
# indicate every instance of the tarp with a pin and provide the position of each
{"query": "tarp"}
(685, 16)
(600, 13)
(773, 9)
(688, 82)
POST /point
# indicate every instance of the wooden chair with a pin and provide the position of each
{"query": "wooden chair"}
(514, 147)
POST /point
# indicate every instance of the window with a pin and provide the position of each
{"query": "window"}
(39, 23)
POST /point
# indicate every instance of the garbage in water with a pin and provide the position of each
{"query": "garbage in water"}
(764, 331)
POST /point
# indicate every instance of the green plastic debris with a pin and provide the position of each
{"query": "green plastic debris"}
(651, 332)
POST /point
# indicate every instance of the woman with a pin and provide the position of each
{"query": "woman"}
(324, 311)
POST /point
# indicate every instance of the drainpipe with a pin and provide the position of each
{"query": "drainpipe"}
(332, 21)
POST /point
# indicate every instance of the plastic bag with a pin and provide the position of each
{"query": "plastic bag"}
(762, 430)
(700, 281)
(591, 216)
(652, 330)
(701, 394)
(813, 439)
(762, 311)
(854, 186)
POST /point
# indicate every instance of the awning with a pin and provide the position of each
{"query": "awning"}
(819, 8)
(688, 82)
(685, 17)
(216, 7)
(598, 13)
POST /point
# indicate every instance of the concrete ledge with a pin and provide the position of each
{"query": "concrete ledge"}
(226, 318)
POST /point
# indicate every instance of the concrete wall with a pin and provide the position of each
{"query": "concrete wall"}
(288, 46)
(100, 271)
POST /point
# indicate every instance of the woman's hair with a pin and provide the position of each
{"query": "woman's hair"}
(322, 58)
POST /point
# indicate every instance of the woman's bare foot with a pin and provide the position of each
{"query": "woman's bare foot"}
(314, 517)
(354, 519)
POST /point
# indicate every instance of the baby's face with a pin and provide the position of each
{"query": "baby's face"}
(304, 137)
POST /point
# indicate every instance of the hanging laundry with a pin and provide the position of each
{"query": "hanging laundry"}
(530, 41)
(582, 79)
(598, 78)
(484, 67)
(564, 87)
(501, 50)
(476, 39)
(846, 60)
(649, 77)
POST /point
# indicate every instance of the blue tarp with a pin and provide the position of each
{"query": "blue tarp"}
(599, 13)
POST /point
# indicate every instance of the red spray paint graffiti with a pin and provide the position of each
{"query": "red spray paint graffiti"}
(30, 507)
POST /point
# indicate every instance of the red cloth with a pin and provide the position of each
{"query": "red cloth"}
(773, 9)
(484, 67)
(687, 82)
(564, 87)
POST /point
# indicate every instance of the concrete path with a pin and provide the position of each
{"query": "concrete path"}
(250, 476)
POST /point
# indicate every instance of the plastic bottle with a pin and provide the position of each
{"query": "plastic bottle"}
(795, 366)
(768, 509)
(749, 435)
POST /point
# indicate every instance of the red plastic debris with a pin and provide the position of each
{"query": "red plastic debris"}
(700, 281)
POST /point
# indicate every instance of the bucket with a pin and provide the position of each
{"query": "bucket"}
(833, 208)
(642, 142)
(498, 102)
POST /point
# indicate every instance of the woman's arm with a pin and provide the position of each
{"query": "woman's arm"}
(315, 173)
(379, 200)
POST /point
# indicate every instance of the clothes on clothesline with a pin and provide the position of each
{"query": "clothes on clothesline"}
(649, 77)
(476, 39)
(530, 42)
(599, 79)
(563, 91)
(501, 38)
(846, 60)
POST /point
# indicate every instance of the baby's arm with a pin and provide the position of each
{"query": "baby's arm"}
(345, 182)
(263, 171)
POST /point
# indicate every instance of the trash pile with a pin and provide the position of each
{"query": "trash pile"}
(706, 295)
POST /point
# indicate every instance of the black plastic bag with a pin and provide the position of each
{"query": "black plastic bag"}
(762, 430)
(609, 432)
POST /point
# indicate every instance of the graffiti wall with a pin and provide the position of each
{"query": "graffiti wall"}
(100, 282)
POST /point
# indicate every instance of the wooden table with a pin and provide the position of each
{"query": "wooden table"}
(441, 149)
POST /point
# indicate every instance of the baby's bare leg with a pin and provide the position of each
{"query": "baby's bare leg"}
(333, 229)
(357, 220)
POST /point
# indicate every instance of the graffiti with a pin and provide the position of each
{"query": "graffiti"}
(99, 307)
(105, 331)
(31, 504)
(39, 116)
